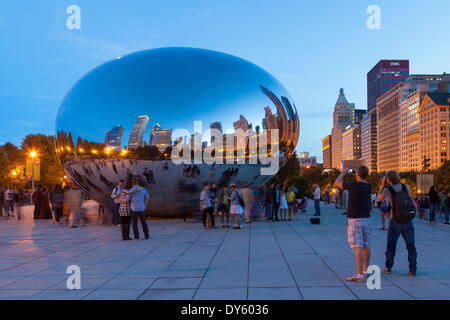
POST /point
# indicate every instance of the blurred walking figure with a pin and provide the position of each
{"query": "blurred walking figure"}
(73, 198)
(10, 196)
(224, 207)
(290, 198)
(385, 212)
(148, 174)
(327, 196)
(434, 203)
(139, 201)
(2, 200)
(207, 206)
(237, 206)
(115, 195)
(57, 200)
(276, 202)
(45, 212)
(66, 204)
(125, 210)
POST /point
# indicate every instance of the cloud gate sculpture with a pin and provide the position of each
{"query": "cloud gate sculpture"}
(175, 118)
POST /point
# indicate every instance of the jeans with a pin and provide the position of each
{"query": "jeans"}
(37, 209)
(433, 209)
(317, 206)
(135, 216)
(269, 213)
(446, 213)
(115, 214)
(9, 207)
(58, 213)
(208, 212)
(275, 207)
(407, 231)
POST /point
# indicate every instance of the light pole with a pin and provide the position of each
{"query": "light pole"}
(33, 155)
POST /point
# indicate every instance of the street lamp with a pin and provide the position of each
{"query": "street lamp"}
(33, 155)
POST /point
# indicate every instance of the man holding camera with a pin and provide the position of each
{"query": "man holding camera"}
(358, 214)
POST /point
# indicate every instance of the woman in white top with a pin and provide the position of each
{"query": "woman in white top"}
(236, 208)
(283, 204)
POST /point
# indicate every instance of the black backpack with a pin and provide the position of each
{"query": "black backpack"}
(241, 201)
(403, 206)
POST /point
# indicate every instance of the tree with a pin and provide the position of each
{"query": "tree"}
(11, 165)
(442, 177)
(290, 170)
(51, 170)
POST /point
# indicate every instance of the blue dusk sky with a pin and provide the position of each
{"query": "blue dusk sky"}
(312, 47)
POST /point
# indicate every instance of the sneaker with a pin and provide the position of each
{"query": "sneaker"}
(356, 278)
(387, 271)
(412, 274)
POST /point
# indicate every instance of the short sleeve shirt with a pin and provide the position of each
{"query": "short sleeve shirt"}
(359, 202)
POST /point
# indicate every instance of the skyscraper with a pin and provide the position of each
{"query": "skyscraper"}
(343, 116)
(369, 140)
(136, 137)
(326, 152)
(161, 138)
(385, 75)
(114, 137)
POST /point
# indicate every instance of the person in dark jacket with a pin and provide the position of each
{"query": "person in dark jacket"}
(434, 203)
(57, 200)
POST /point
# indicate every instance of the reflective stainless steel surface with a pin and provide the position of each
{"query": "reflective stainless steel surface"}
(124, 118)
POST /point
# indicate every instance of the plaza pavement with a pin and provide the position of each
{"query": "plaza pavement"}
(281, 260)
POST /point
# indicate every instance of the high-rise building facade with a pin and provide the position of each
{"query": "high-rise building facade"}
(161, 138)
(384, 76)
(136, 139)
(343, 116)
(351, 143)
(369, 140)
(113, 138)
(413, 92)
(388, 130)
(434, 119)
(326, 152)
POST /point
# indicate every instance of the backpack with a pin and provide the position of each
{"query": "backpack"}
(241, 201)
(404, 209)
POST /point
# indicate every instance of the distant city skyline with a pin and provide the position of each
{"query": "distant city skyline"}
(315, 49)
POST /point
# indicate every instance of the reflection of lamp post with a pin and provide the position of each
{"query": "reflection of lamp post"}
(33, 155)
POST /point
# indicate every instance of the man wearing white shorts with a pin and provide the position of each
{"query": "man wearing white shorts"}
(358, 214)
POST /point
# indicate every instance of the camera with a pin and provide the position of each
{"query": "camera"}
(351, 171)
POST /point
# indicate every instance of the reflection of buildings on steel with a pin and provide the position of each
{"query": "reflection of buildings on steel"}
(286, 118)
(175, 192)
(113, 138)
(215, 126)
(136, 137)
(161, 138)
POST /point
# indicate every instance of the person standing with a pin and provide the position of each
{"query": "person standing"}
(125, 210)
(46, 212)
(283, 204)
(403, 212)
(37, 200)
(2, 200)
(268, 201)
(115, 195)
(327, 196)
(447, 209)
(207, 206)
(57, 200)
(139, 200)
(276, 202)
(434, 203)
(316, 196)
(10, 196)
(358, 222)
(74, 199)
(237, 206)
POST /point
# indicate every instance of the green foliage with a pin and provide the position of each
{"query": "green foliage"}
(442, 177)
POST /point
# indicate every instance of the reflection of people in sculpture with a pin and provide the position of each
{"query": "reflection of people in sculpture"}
(148, 174)
(223, 207)
(115, 195)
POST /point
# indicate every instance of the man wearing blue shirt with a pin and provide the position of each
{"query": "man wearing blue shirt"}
(139, 201)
